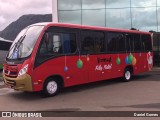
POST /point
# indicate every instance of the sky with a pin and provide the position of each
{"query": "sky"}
(11, 10)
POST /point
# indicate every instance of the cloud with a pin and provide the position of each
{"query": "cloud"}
(143, 3)
(91, 4)
(2, 20)
(143, 18)
(69, 4)
(11, 10)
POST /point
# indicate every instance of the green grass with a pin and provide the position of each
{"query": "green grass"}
(1, 66)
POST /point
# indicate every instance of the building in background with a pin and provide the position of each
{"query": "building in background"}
(4, 47)
(140, 14)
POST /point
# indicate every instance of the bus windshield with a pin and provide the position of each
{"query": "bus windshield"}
(24, 43)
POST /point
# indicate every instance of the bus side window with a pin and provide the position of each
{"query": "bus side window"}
(111, 42)
(97, 46)
(43, 47)
(115, 42)
(120, 43)
(69, 43)
(137, 43)
(146, 43)
(57, 44)
(46, 46)
(130, 46)
(92, 42)
(87, 45)
(99, 43)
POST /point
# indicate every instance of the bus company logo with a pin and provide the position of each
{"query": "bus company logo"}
(6, 114)
(150, 60)
(21, 114)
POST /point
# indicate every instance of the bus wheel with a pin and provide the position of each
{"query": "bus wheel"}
(51, 87)
(127, 75)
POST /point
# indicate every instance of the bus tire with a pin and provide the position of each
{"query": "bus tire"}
(127, 75)
(51, 87)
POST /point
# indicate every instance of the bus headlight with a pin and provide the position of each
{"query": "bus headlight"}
(23, 70)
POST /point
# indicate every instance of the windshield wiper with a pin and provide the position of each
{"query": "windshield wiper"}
(17, 44)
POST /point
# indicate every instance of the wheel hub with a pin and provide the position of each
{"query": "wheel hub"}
(52, 87)
(127, 75)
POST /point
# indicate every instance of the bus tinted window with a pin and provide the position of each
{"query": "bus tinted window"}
(133, 43)
(115, 42)
(92, 42)
(57, 44)
(69, 43)
(51, 44)
(129, 43)
(137, 43)
(146, 43)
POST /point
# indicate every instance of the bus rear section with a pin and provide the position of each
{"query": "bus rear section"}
(63, 55)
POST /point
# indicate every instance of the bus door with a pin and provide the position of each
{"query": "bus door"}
(96, 69)
(102, 66)
(75, 67)
(76, 70)
(92, 67)
(92, 46)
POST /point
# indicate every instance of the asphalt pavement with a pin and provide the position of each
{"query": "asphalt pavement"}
(140, 94)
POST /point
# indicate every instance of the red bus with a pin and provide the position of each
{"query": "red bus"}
(49, 56)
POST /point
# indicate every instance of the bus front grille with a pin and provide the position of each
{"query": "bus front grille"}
(11, 71)
(11, 74)
(10, 82)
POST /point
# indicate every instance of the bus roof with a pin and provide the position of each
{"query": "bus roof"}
(48, 24)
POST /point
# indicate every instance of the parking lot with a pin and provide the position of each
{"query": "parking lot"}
(140, 94)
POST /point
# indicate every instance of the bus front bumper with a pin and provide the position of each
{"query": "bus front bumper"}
(22, 83)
